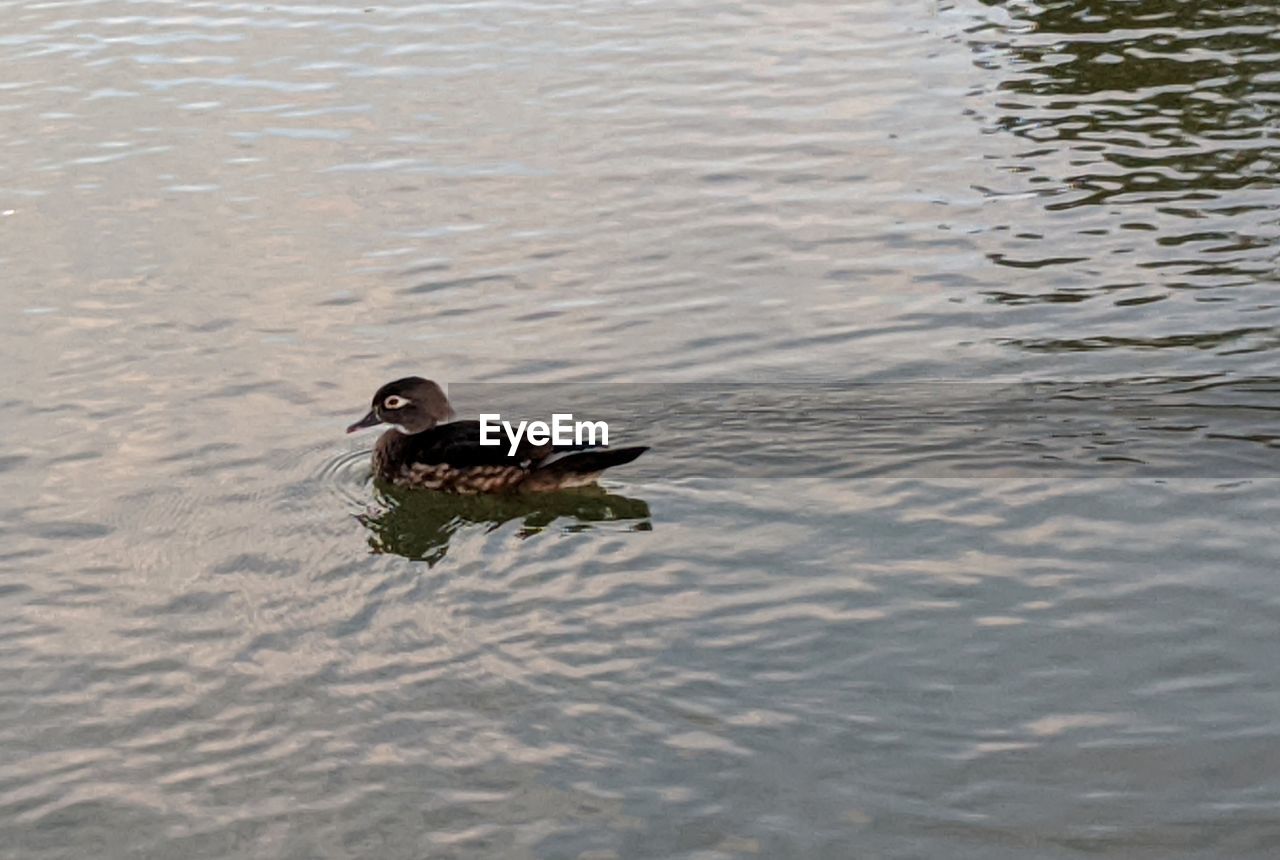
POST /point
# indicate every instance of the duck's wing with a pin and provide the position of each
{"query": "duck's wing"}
(457, 444)
(587, 459)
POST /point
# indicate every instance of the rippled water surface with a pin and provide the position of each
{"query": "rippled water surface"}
(957, 323)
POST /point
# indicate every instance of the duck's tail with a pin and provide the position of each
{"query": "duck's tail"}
(589, 462)
(577, 468)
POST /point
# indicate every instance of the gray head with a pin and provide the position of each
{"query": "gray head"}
(412, 404)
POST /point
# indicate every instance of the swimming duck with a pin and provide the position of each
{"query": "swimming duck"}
(427, 449)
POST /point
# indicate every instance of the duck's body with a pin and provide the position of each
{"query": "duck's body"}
(450, 457)
(420, 453)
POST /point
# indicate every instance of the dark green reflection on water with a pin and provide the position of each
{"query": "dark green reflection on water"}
(1152, 124)
(1175, 95)
(419, 525)
(1209, 340)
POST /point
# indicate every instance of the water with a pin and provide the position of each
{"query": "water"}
(974, 558)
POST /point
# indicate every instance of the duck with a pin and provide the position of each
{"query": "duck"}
(427, 448)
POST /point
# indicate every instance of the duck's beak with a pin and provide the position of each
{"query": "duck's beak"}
(370, 420)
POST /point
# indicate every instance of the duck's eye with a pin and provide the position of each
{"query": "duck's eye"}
(395, 401)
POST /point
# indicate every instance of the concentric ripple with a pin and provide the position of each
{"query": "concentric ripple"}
(347, 475)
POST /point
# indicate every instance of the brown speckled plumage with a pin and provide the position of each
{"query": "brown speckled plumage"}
(421, 453)
(477, 479)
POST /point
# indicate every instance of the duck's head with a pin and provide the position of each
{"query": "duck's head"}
(411, 405)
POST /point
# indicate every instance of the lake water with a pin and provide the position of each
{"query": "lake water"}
(953, 327)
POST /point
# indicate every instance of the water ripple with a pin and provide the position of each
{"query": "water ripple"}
(964, 620)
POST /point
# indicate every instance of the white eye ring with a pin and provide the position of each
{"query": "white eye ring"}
(395, 401)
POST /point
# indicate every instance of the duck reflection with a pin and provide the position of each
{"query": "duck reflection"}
(419, 525)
